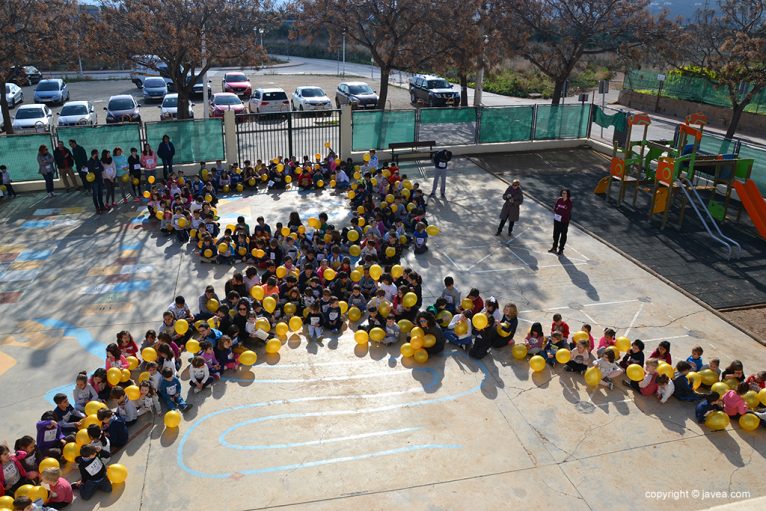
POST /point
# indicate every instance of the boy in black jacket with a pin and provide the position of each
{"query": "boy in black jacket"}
(92, 472)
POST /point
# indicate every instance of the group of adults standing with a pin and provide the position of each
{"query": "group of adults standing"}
(562, 213)
(109, 169)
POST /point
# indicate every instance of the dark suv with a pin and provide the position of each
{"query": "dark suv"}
(24, 75)
(433, 91)
(357, 94)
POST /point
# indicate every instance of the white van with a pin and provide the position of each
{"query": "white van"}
(142, 71)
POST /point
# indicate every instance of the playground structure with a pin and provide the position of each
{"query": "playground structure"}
(678, 172)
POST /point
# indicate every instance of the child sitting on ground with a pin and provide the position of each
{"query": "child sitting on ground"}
(170, 391)
(735, 370)
(199, 375)
(535, 340)
(609, 370)
(710, 403)
(665, 388)
(149, 402)
(59, 490)
(662, 352)
(733, 403)
(83, 392)
(555, 343)
(695, 359)
(648, 385)
(757, 381)
(714, 365)
(580, 358)
(606, 340)
(559, 325)
(460, 329)
(114, 427)
(92, 473)
(635, 355)
(683, 388)
(126, 409)
(392, 331)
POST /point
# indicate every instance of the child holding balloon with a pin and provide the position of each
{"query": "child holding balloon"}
(683, 390)
(83, 392)
(609, 370)
(59, 490)
(92, 473)
(580, 358)
(148, 402)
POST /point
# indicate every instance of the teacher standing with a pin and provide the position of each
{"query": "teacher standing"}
(562, 212)
(166, 151)
(513, 197)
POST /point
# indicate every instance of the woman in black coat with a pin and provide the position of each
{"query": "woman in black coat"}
(513, 197)
(166, 151)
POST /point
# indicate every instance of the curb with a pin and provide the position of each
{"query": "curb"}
(633, 260)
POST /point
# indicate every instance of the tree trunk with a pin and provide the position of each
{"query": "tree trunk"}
(463, 89)
(736, 115)
(385, 73)
(6, 113)
(183, 101)
(558, 88)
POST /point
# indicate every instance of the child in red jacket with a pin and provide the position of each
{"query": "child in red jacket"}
(12, 473)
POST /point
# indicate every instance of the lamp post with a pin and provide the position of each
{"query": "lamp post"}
(343, 72)
(205, 112)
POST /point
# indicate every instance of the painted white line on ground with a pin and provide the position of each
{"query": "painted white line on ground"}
(666, 338)
(609, 303)
(453, 262)
(635, 317)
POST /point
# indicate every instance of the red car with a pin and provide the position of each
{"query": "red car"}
(223, 101)
(237, 83)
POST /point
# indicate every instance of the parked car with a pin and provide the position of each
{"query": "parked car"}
(122, 108)
(223, 101)
(311, 99)
(356, 94)
(169, 108)
(77, 113)
(24, 75)
(197, 89)
(433, 91)
(155, 88)
(13, 94)
(53, 90)
(269, 101)
(32, 118)
(237, 83)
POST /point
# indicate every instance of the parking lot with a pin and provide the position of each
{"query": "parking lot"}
(99, 91)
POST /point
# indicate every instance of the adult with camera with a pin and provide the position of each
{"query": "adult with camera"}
(513, 197)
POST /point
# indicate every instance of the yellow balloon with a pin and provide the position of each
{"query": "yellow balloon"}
(417, 332)
(240, 188)
(420, 356)
(114, 375)
(377, 334)
(132, 362)
(480, 321)
(181, 326)
(717, 420)
(762, 396)
(262, 324)
(125, 375)
(92, 407)
(519, 351)
(25, 490)
(192, 346)
(709, 377)
(593, 376)
(281, 272)
(466, 304)
(39, 493)
(732, 383)
(405, 325)
(720, 387)
(666, 369)
(118, 473)
(226, 188)
(144, 376)
(273, 346)
(329, 274)
(563, 356)
(182, 223)
(461, 328)
(410, 299)
(212, 304)
(695, 379)
(429, 340)
(417, 342)
(151, 180)
(623, 344)
(749, 422)
(281, 329)
(366, 156)
(751, 398)
(81, 438)
(375, 272)
(343, 306)
(397, 271)
(71, 451)
(361, 337)
(223, 248)
(406, 350)
(296, 324)
(257, 292)
(149, 354)
(635, 372)
(352, 235)
(207, 253)
(580, 336)
(48, 463)
(147, 194)
(90, 177)
(537, 363)
(354, 251)
(351, 194)
(247, 358)
(133, 392)
(354, 314)
(432, 230)
(90, 420)
(172, 419)
(384, 309)
(269, 304)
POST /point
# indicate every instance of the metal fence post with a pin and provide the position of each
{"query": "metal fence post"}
(477, 131)
(290, 133)
(230, 136)
(534, 122)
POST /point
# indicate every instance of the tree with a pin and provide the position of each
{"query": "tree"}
(394, 31)
(728, 48)
(561, 32)
(29, 28)
(168, 36)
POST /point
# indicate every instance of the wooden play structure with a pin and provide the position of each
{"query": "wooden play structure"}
(678, 173)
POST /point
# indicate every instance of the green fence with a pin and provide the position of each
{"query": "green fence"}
(689, 88)
(506, 124)
(561, 121)
(447, 115)
(19, 154)
(759, 165)
(194, 140)
(375, 130)
(103, 137)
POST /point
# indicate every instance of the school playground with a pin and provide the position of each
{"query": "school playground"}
(339, 426)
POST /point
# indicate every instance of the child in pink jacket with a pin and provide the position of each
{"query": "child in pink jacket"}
(733, 404)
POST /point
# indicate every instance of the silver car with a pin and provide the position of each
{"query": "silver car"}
(77, 113)
(155, 88)
(32, 118)
(53, 90)
(13, 94)
(311, 99)
(169, 108)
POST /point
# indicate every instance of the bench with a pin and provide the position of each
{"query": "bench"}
(409, 148)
